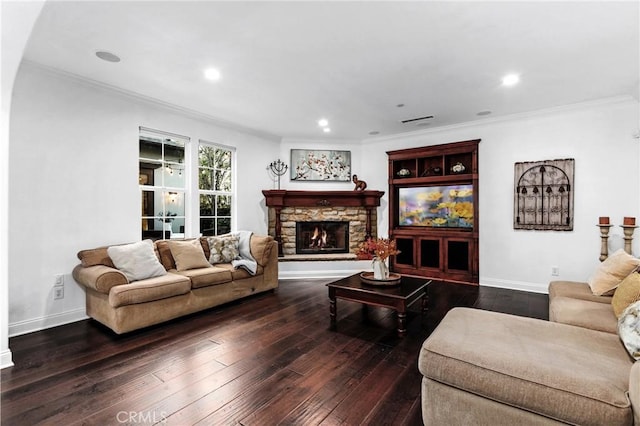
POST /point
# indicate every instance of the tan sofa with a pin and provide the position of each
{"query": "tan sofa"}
(124, 306)
(488, 368)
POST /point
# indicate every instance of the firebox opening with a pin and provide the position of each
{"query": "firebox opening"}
(322, 237)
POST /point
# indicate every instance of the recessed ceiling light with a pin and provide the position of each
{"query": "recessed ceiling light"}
(323, 122)
(510, 79)
(107, 56)
(374, 132)
(326, 130)
(487, 112)
(212, 74)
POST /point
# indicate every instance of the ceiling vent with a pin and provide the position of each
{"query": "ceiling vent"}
(413, 120)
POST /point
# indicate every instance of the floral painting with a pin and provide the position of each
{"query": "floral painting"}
(437, 206)
(318, 165)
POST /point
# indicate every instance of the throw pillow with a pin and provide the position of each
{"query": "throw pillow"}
(137, 261)
(611, 272)
(629, 329)
(223, 249)
(188, 254)
(627, 292)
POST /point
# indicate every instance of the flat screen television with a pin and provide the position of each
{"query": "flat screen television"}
(448, 206)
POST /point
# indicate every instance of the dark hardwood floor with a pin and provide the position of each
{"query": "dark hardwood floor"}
(269, 359)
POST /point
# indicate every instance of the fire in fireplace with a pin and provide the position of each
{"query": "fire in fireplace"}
(322, 237)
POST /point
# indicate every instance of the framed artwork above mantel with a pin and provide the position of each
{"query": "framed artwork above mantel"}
(320, 165)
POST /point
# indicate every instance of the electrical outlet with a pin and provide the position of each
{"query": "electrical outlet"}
(555, 271)
(58, 293)
(59, 280)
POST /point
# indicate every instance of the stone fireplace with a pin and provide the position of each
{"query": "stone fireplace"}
(322, 237)
(356, 210)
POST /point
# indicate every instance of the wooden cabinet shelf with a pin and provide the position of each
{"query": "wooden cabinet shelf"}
(433, 211)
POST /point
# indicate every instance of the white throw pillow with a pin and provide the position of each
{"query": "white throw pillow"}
(137, 261)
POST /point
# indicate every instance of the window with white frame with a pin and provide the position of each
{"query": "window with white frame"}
(162, 180)
(215, 177)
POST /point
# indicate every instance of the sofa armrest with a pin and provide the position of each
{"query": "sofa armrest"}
(634, 391)
(99, 277)
(261, 247)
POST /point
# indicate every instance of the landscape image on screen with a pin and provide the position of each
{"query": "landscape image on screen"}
(438, 206)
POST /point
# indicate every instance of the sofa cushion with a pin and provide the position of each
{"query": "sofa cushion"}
(583, 313)
(188, 254)
(240, 273)
(164, 253)
(205, 277)
(222, 249)
(629, 329)
(627, 293)
(148, 290)
(575, 290)
(137, 261)
(96, 256)
(611, 272)
(570, 374)
(205, 246)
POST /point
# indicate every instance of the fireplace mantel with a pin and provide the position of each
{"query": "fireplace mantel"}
(281, 198)
(284, 198)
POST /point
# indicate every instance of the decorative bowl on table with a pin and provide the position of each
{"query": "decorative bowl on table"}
(367, 278)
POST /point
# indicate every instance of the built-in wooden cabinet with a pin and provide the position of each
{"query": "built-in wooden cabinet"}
(433, 211)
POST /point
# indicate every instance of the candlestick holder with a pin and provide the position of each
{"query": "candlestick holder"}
(628, 231)
(604, 236)
(278, 168)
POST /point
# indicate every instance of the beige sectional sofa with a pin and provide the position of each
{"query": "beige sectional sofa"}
(488, 368)
(124, 305)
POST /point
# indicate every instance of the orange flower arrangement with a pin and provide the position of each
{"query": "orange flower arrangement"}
(380, 248)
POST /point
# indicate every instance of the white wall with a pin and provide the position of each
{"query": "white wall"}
(598, 135)
(74, 174)
(17, 20)
(73, 159)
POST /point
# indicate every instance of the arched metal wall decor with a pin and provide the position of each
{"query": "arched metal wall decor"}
(543, 196)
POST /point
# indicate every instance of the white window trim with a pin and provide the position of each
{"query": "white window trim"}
(142, 131)
(198, 191)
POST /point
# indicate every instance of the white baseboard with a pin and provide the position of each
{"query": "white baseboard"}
(6, 360)
(321, 269)
(54, 320)
(352, 268)
(515, 285)
(301, 275)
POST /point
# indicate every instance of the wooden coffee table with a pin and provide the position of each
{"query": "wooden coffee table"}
(398, 297)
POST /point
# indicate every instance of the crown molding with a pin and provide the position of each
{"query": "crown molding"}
(304, 141)
(153, 101)
(579, 106)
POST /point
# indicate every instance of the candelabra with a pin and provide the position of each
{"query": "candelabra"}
(278, 168)
(628, 236)
(604, 235)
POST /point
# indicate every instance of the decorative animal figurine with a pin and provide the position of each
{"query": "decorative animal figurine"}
(360, 184)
